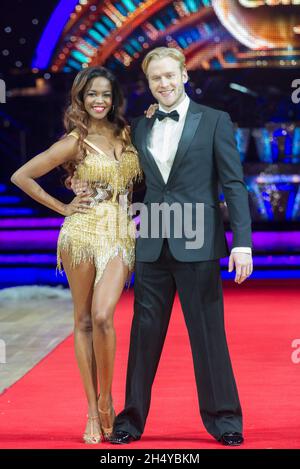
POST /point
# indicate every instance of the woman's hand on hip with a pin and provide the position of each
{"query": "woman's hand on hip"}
(80, 204)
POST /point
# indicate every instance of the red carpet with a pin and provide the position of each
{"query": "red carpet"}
(46, 408)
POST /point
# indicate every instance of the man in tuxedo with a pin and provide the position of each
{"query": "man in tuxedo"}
(185, 150)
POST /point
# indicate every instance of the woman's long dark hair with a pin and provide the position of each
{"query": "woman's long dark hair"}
(76, 117)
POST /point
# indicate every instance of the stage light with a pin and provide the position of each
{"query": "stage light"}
(270, 3)
(129, 5)
(242, 89)
(52, 32)
(96, 36)
(192, 6)
(74, 64)
(102, 29)
(258, 26)
(79, 56)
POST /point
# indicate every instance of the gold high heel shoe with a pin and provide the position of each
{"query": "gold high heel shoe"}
(107, 432)
(92, 438)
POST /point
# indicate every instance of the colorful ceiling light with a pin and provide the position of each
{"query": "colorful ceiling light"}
(118, 33)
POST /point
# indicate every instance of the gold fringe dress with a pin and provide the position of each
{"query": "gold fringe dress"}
(107, 230)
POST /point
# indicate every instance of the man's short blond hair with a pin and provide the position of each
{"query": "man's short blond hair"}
(161, 53)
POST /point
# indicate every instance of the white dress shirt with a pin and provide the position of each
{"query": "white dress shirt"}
(163, 144)
(165, 137)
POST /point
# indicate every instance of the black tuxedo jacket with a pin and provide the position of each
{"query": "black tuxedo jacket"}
(206, 155)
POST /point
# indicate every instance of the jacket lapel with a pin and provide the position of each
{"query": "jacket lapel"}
(143, 136)
(191, 124)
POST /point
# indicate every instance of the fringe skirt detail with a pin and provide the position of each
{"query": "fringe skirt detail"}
(98, 236)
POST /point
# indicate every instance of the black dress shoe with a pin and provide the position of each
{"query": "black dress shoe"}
(120, 437)
(232, 439)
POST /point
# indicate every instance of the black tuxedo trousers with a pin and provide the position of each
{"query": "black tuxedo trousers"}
(200, 292)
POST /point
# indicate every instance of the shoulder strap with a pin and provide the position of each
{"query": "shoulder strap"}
(74, 133)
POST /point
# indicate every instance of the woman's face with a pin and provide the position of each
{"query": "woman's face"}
(97, 98)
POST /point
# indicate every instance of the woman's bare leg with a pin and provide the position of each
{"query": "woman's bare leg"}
(81, 280)
(107, 292)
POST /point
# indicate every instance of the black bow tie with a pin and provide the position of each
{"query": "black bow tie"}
(160, 115)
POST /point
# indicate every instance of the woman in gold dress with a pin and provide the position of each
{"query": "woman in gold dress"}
(97, 239)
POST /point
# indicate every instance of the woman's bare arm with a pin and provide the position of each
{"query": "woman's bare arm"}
(60, 152)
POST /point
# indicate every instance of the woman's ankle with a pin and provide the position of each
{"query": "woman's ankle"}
(104, 402)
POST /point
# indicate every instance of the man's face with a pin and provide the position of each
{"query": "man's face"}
(166, 81)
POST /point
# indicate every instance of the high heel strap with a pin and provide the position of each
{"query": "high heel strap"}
(107, 432)
(92, 437)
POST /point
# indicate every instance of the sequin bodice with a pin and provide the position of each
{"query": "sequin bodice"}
(104, 173)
